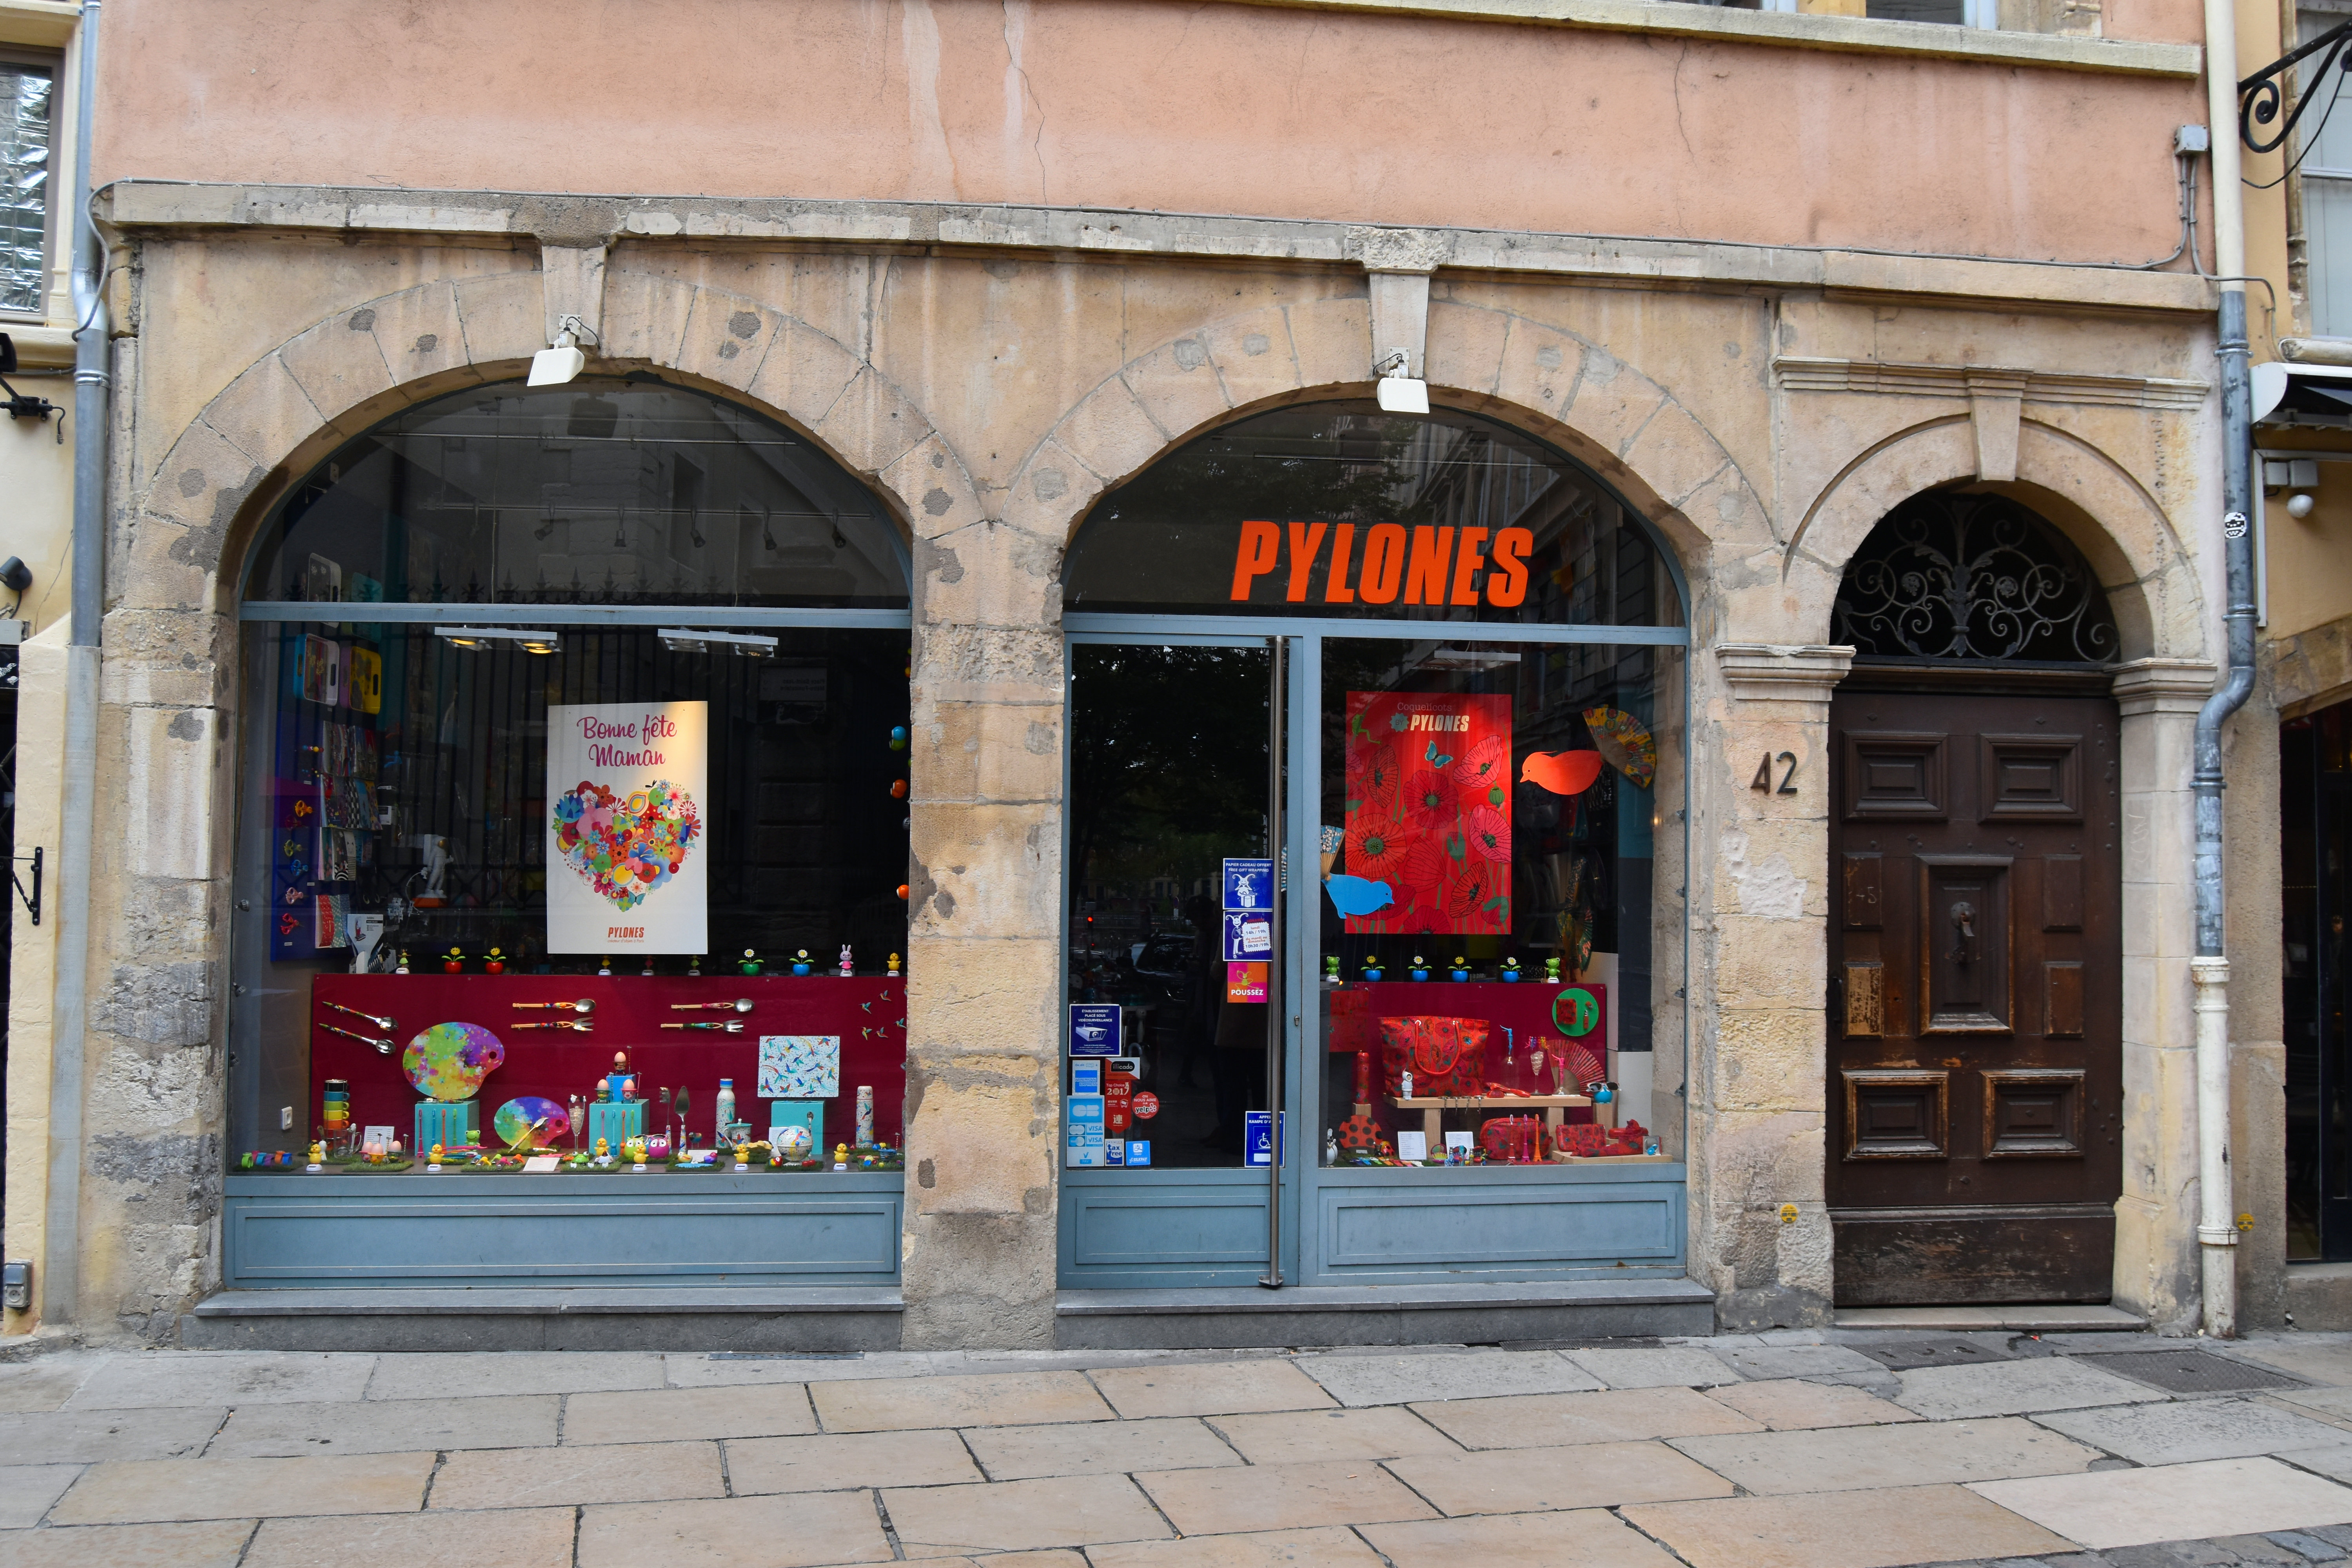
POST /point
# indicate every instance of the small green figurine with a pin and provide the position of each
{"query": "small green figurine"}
(750, 963)
(1332, 969)
(1551, 971)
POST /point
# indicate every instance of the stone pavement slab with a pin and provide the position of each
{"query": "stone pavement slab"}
(1668, 1366)
(2335, 1461)
(665, 1415)
(1848, 1458)
(1304, 1436)
(2323, 1361)
(830, 1462)
(1844, 1530)
(1098, 1448)
(1000, 1399)
(489, 1374)
(217, 1378)
(520, 1538)
(385, 1426)
(542, 1478)
(1794, 1360)
(27, 1490)
(1017, 1516)
(1525, 1481)
(2174, 1502)
(2202, 1430)
(86, 1437)
(790, 1532)
(2016, 1388)
(1217, 1388)
(1588, 1538)
(212, 1543)
(45, 1384)
(1786, 1403)
(1557, 1420)
(1280, 1497)
(1327, 1548)
(1360, 1380)
(141, 1492)
(2333, 1403)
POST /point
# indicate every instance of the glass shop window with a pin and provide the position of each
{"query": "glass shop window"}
(1339, 509)
(28, 196)
(1500, 919)
(527, 890)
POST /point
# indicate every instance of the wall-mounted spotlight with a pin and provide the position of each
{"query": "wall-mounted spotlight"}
(679, 640)
(15, 576)
(560, 361)
(2298, 476)
(486, 638)
(1398, 392)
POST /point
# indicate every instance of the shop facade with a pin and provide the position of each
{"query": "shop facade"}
(1755, 692)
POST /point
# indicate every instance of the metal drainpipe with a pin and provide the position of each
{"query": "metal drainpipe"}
(2217, 1236)
(59, 1273)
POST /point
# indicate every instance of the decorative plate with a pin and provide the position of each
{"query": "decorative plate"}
(528, 1122)
(449, 1061)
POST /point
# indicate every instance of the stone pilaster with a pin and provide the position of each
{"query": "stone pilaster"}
(2156, 1266)
(1758, 1043)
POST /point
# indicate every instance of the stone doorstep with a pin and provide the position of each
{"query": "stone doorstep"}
(1184, 1300)
(2017, 1319)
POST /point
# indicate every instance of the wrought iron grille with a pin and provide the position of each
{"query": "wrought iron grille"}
(1946, 575)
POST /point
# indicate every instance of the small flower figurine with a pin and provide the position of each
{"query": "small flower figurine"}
(802, 964)
(454, 962)
(494, 963)
(1460, 970)
(1372, 970)
(1419, 967)
(751, 963)
(1510, 971)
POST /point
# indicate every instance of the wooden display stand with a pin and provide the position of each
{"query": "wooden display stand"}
(1433, 1110)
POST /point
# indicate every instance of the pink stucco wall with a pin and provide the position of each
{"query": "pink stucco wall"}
(1156, 105)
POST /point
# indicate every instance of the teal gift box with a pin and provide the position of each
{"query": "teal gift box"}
(451, 1126)
(615, 1121)
(808, 1113)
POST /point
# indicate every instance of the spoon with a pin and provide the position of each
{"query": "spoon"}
(732, 1025)
(741, 1004)
(383, 1047)
(379, 1022)
(583, 1006)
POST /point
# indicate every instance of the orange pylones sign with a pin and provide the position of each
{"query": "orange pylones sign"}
(1385, 563)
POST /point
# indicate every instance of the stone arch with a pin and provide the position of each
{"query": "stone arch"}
(182, 538)
(2122, 530)
(1605, 413)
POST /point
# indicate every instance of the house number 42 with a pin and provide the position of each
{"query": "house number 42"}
(1762, 781)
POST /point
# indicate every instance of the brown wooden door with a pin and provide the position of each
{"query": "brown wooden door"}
(1975, 1088)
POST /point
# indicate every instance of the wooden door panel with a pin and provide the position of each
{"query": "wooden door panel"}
(1975, 1124)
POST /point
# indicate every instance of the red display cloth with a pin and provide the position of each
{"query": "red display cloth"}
(1524, 1007)
(869, 1015)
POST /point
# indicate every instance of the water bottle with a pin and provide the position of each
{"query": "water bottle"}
(726, 1106)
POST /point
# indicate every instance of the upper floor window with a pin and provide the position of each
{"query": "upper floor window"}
(27, 205)
(2327, 138)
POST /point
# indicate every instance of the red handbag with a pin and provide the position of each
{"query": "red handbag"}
(1512, 1140)
(1447, 1057)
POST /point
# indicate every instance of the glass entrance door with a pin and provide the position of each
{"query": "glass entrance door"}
(1177, 1064)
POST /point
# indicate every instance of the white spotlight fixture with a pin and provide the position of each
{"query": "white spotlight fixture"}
(492, 636)
(679, 640)
(1398, 392)
(558, 364)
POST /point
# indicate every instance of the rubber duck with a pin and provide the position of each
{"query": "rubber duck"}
(894, 967)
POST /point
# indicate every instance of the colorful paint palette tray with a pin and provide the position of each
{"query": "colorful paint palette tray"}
(528, 1122)
(448, 1061)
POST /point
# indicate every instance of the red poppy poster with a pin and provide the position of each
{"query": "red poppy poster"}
(1429, 810)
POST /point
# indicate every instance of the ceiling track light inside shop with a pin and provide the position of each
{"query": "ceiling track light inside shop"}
(678, 640)
(494, 636)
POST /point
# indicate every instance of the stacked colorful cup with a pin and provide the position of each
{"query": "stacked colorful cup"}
(335, 1106)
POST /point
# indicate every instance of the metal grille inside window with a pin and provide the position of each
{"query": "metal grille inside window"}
(25, 198)
(1959, 576)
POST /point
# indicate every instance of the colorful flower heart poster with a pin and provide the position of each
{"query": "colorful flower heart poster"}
(1429, 810)
(627, 870)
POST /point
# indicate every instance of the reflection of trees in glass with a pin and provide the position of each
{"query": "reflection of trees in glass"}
(1166, 761)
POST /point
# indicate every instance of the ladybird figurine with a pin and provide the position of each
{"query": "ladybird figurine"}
(751, 963)
(494, 963)
(454, 962)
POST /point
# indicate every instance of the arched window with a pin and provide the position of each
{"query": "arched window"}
(605, 677)
(1959, 576)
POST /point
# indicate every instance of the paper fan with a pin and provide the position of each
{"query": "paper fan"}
(1630, 748)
